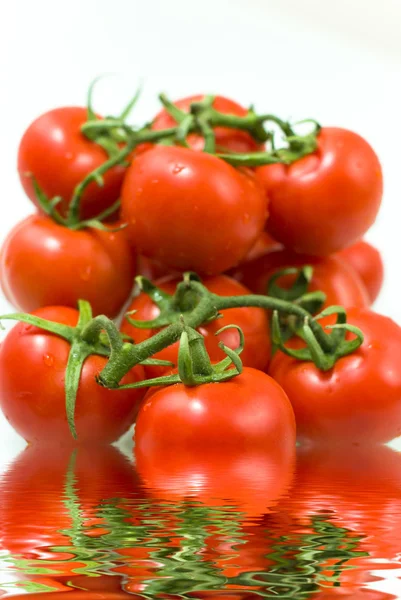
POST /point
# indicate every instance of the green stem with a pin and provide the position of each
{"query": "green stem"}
(91, 332)
(96, 175)
(130, 355)
(282, 306)
(121, 361)
(248, 122)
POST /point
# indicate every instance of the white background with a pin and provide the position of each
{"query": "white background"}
(338, 62)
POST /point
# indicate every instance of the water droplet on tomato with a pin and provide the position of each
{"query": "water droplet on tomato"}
(177, 169)
(246, 218)
(48, 359)
(155, 181)
(85, 272)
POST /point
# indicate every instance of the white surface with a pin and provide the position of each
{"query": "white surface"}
(338, 62)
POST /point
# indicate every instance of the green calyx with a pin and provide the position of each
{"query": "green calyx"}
(202, 118)
(298, 292)
(172, 307)
(91, 336)
(194, 365)
(206, 306)
(313, 351)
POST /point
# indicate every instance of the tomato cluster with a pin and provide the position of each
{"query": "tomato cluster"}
(275, 236)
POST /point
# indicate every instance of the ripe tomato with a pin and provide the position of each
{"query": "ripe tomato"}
(33, 398)
(331, 275)
(55, 152)
(359, 400)
(191, 210)
(249, 411)
(251, 481)
(367, 262)
(44, 264)
(327, 200)
(264, 244)
(227, 139)
(151, 269)
(253, 322)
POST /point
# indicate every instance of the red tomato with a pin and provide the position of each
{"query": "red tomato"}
(252, 481)
(151, 269)
(264, 244)
(33, 398)
(367, 262)
(253, 322)
(249, 411)
(44, 264)
(359, 400)
(55, 152)
(331, 275)
(191, 210)
(227, 139)
(327, 200)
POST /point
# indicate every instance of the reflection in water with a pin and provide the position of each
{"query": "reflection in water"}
(235, 526)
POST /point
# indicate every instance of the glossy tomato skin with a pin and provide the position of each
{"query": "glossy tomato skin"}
(33, 397)
(249, 411)
(55, 152)
(333, 276)
(359, 400)
(191, 210)
(326, 201)
(45, 264)
(227, 139)
(151, 269)
(253, 322)
(366, 260)
(263, 245)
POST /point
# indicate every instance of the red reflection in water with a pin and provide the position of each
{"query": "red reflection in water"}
(358, 490)
(48, 496)
(251, 482)
(238, 522)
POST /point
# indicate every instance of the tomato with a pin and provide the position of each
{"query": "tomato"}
(359, 400)
(43, 264)
(327, 200)
(253, 322)
(227, 139)
(249, 411)
(191, 210)
(367, 262)
(251, 481)
(151, 269)
(264, 244)
(331, 275)
(33, 397)
(55, 152)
